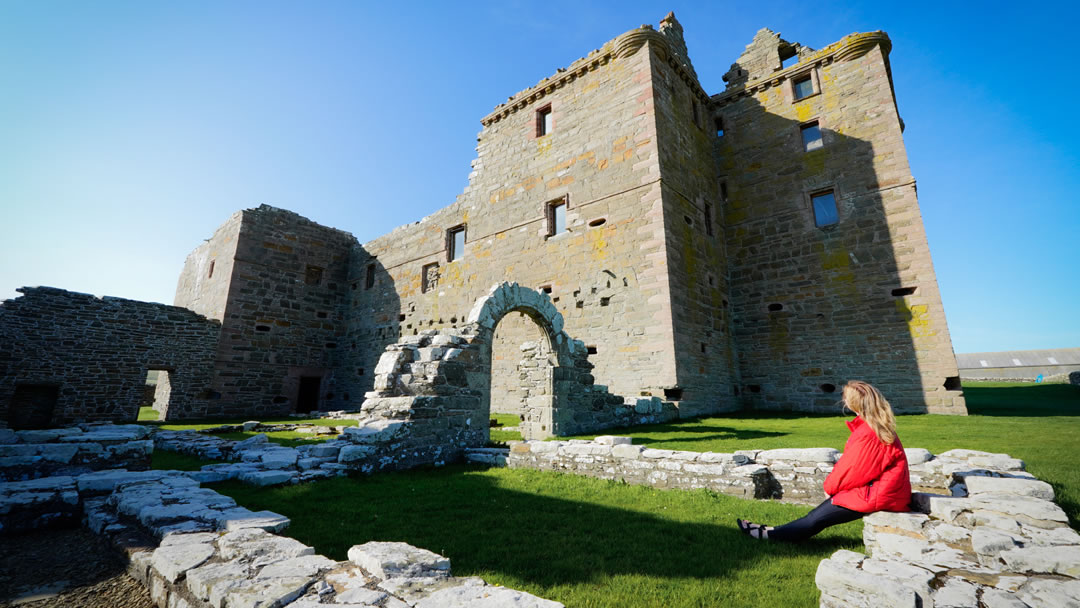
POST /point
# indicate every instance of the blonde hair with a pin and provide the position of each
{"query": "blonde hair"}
(868, 402)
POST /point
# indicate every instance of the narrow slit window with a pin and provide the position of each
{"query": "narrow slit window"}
(697, 113)
(723, 191)
(719, 123)
(708, 219)
(811, 136)
(455, 241)
(556, 216)
(543, 121)
(803, 87)
(369, 280)
(210, 274)
(825, 212)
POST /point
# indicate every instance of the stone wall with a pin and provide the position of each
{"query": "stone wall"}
(998, 540)
(86, 358)
(282, 311)
(816, 306)
(193, 548)
(73, 450)
(606, 273)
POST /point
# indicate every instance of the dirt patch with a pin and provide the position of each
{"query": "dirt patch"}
(66, 569)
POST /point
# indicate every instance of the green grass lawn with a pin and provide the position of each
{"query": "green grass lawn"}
(591, 543)
(581, 541)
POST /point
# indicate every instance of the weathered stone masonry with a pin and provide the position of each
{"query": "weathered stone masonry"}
(691, 266)
(73, 357)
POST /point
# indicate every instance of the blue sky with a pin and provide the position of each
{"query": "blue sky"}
(130, 130)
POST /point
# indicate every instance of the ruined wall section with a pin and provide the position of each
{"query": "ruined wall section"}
(697, 265)
(606, 273)
(816, 306)
(69, 357)
(285, 315)
(204, 282)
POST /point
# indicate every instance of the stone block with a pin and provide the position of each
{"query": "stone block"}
(1063, 560)
(392, 559)
(1004, 485)
(917, 455)
(612, 440)
(173, 560)
(266, 478)
(484, 597)
(355, 453)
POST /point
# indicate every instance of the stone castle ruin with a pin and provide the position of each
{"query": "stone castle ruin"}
(655, 251)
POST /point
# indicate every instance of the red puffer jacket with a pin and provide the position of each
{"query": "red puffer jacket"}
(871, 475)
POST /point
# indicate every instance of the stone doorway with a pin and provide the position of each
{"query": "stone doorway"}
(307, 398)
(522, 364)
(32, 406)
(161, 381)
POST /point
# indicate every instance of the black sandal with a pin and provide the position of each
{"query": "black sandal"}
(755, 531)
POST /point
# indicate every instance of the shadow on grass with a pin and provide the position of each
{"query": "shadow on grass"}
(1023, 400)
(529, 536)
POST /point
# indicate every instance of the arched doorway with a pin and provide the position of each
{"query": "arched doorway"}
(522, 344)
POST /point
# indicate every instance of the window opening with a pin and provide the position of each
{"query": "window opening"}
(828, 388)
(719, 122)
(591, 350)
(313, 275)
(556, 216)
(697, 113)
(904, 291)
(369, 280)
(723, 191)
(825, 212)
(803, 87)
(455, 241)
(708, 219)
(754, 388)
(787, 62)
(811, 136)
(597, 222)
(545, 288)
(210, 274)
(776, 307)
(673, 394)
(952, 383)
(543, 121)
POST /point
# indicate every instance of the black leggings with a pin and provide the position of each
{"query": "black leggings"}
(824, 515)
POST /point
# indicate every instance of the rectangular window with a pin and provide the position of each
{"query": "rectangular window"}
(803, 87)
(369, 280)
(313, 275)
(708, 219)
(556, 217)
(455, 243)
(723, 191)
(825, 212)
(543, 121)
(719, 122)
(697, 113)
(210, 274)
(811, 136)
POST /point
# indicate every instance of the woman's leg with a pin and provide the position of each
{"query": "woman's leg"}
(824, 515)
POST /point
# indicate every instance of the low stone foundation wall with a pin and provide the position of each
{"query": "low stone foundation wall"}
(999, 543)
(195, 548)
(73, 450)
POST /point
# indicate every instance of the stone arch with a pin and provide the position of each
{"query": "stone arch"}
(505, 298)
(541, 415)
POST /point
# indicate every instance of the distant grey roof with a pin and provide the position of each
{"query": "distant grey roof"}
(1026, 358)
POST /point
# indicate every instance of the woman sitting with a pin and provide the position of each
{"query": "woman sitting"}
(872, 474)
